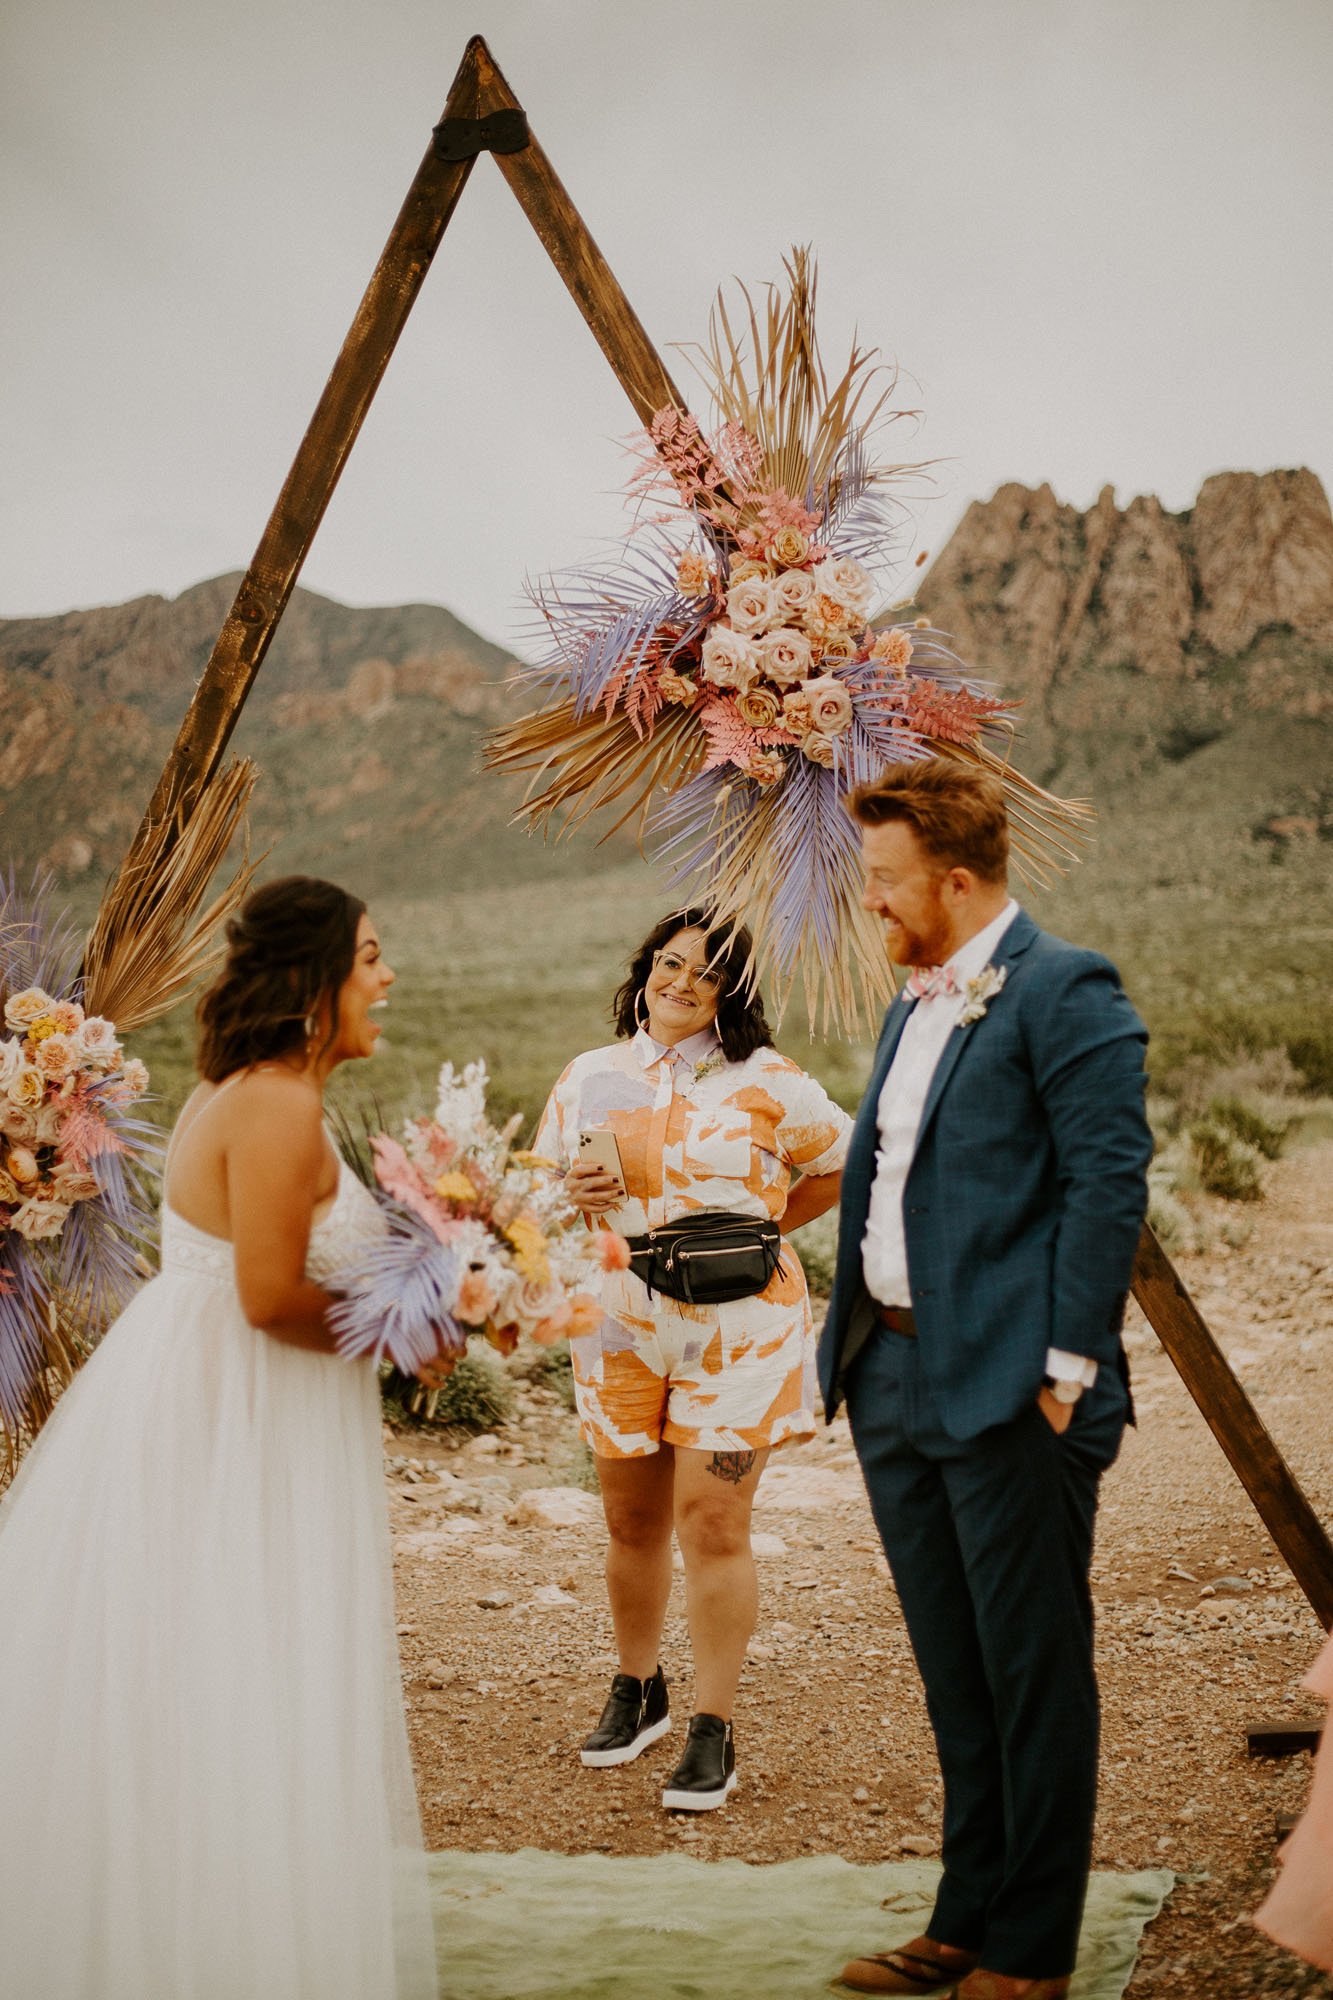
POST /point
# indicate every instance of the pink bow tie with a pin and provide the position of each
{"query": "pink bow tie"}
(932, 982)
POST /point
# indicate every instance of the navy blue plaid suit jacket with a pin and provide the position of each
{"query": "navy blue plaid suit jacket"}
(1026, 1193)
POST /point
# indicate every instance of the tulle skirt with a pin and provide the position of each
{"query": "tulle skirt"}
(205, 1790)
(1299, 1909)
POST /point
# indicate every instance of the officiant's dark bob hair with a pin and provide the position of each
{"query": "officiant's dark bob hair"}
(291, 945)
(741, 1023)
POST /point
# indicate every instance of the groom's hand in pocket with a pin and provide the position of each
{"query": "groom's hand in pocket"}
(1057, 1415)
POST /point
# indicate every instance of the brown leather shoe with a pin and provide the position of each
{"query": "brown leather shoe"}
(981, 1985)
(919, 1967)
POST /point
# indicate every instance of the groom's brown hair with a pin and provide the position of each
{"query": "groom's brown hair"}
(956, 811)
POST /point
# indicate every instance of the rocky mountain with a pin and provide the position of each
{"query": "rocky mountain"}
(1133, 634)
(366, 725)
(1134, 637)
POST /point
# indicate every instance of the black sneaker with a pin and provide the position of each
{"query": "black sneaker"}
(636, 1714)
(706, 1774)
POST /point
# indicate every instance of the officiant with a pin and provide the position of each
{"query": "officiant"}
(704, 1147)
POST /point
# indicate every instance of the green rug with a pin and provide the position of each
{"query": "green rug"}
(535, 1926)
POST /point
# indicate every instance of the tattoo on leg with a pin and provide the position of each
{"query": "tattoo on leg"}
(731, 1465)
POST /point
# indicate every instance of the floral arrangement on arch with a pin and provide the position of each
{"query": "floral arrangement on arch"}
(73, 1210)
(730, 676)
(481, 1240)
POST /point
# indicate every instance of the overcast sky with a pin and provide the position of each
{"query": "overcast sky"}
(1095, 237)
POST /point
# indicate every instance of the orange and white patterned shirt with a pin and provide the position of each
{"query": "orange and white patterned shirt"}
(694, 1130)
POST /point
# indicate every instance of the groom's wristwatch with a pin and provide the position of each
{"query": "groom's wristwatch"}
(1063, 1391)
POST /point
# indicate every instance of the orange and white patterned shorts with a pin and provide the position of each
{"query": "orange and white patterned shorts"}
(732, 1377)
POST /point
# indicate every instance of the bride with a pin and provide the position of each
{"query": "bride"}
(203, 1760)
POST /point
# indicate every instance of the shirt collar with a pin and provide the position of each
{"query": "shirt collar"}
(692, 1050)
(970, 958)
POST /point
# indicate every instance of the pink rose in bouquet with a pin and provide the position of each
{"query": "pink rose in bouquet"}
(792, 592)
(830, 705)
(785, 655)
(729, 659)
(751, 606)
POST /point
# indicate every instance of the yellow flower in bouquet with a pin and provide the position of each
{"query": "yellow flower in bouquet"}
(527, 1238)
(456, 1187)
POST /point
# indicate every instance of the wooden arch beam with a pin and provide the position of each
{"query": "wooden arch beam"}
(483, 115)
(479, 99)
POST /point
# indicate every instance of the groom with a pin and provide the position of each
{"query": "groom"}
(991, 1204)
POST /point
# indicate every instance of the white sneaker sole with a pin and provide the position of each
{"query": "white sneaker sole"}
(603, 1760)
(698, 1801)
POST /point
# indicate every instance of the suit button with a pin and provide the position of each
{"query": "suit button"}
(918, 1210)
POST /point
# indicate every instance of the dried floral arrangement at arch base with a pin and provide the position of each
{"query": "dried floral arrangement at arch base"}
(726, 679)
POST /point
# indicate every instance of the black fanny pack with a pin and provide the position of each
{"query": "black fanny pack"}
(707, 1259)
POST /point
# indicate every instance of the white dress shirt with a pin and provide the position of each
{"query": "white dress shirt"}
(901, 1104)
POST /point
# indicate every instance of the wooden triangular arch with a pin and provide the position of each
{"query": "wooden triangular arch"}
(483, 115)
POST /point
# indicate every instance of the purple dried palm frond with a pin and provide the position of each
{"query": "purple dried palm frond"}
(25, 1304)
(933, 656)
(597, 621)
(878, 735)
(397, 1302)
(696, 825)
(816, 864)
(38, 947)
(95, 1266)
(861, 519)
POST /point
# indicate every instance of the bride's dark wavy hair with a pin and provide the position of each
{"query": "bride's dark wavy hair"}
(291, 945)
(742, 1026)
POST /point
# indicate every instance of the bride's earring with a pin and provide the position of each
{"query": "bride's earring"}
(641, 1020)
(310, 1025)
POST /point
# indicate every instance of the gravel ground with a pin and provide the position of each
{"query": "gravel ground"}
(507, 1644)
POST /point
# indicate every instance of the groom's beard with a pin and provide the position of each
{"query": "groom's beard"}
(928, 940)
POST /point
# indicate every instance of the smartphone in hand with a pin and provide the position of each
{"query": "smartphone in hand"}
(598, 1148)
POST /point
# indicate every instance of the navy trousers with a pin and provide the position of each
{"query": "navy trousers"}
(990, 1542)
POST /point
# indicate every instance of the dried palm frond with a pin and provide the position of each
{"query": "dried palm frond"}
(769, 377)
(1046, 833)
(150, 944)
(585, 762)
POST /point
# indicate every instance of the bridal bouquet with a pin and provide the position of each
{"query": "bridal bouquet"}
(480, 1239)
(729, 677)
(73, 1212)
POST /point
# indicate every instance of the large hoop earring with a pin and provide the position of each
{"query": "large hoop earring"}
(641, 1022)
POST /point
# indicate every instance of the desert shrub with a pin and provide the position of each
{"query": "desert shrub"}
(478, 1396)
(1168, 1217)
(1227, 1166)
(1266, 1080)
(1312, 1056)
(817, 1247)
(1266, 1135)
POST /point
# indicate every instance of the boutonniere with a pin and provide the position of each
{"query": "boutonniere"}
(709, 1066)
(979, 992)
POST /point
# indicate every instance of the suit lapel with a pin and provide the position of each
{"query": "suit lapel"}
(1010, 949)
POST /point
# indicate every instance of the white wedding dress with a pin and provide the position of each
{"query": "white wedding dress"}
(205, 1791)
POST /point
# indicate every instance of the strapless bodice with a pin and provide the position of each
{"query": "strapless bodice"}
(339, 1237)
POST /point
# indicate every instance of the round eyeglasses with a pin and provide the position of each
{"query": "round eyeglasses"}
(704, 980)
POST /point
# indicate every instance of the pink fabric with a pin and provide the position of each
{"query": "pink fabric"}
(1299, 1910)
(931, 982)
